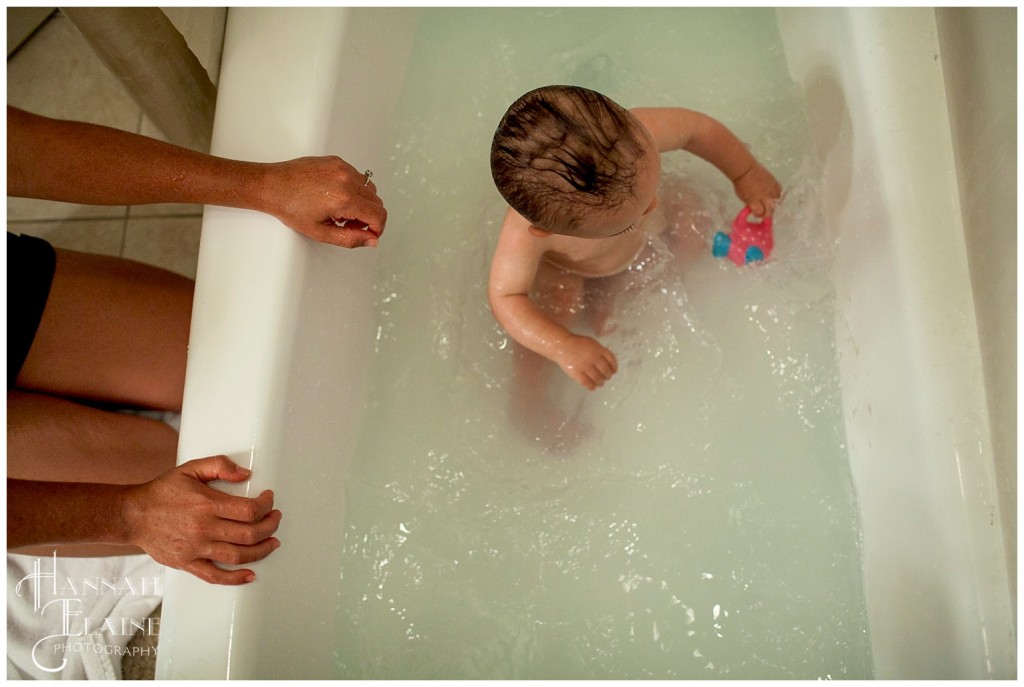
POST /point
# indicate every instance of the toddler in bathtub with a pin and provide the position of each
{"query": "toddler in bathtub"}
(580, 174)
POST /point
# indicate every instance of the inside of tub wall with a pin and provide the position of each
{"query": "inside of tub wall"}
(978, 51)
(926, 344)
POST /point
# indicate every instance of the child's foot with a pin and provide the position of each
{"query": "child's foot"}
(542, 423)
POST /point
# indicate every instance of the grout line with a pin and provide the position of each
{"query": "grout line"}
(63, 220)
(32, 35)
(139, 121)
(124, 233)
(12, 221)
(161, 215)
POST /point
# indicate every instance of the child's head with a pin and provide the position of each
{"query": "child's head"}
(564, 154)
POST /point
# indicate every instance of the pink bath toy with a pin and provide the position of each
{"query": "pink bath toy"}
(749, 241)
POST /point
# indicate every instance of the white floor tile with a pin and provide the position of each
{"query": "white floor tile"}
(56, 74)
(168, 242)
(105, 237)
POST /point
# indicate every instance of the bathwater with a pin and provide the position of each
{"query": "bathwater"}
(693, 518)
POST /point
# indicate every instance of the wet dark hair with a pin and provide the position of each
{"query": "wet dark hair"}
(560, 151)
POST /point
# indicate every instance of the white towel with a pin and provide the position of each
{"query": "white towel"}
(72, 618)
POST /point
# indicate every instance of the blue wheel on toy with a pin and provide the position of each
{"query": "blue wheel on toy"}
(720, 246)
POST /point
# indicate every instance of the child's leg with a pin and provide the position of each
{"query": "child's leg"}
(601, 296)
(560, 295)
(688, 223)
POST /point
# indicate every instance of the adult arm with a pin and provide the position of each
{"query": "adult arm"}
(90, 164)
(176, 518)
(676, 128)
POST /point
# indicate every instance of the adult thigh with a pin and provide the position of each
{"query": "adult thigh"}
(56, 440)
(113, 330)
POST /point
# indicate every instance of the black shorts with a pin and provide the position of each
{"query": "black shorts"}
(30, 265)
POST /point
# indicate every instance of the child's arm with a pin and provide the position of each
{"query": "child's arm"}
(676, 128)
(513, 270)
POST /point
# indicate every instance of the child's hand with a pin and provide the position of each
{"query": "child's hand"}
(586, 361)
(759, 190)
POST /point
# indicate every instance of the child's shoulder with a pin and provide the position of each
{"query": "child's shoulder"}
(516, 236)
(514, 227)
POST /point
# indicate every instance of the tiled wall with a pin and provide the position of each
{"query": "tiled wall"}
(56, 74)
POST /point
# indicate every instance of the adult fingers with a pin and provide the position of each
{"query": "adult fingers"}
(241, 508)
(362, 216)
(236, 554)
(344, 237)
(246, 534)
(214, 468)
(206, 571)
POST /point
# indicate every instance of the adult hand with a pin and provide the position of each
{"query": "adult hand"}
(316, 195)
(759, 190)
(77, 162)
(586, 361)
(185, 524)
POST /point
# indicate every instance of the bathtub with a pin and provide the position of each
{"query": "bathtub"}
(282, 329)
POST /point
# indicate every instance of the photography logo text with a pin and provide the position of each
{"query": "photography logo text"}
(64, 600)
